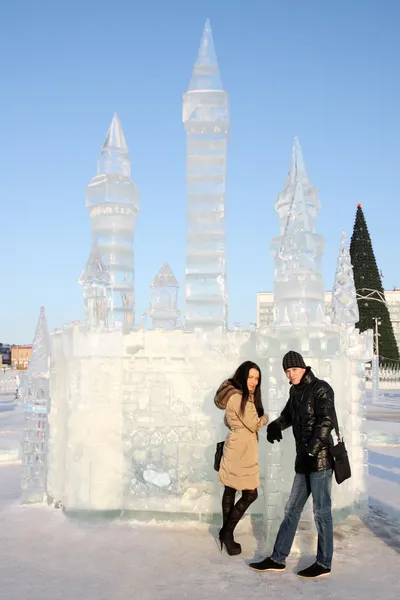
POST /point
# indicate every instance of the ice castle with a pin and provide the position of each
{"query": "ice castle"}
(132, 423)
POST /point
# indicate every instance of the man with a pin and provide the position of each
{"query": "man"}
(311, 413)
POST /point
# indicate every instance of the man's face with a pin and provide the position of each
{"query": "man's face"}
(295, 374)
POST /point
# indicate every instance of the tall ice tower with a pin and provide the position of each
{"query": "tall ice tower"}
(113, 201)
(206, 120)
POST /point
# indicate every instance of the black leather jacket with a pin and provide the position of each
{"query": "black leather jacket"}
(310, 411)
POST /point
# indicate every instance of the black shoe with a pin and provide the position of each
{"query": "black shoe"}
(226, 539)
(314, 571)
(267, 565)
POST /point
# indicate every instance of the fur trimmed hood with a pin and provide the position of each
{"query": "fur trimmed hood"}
(225, 391)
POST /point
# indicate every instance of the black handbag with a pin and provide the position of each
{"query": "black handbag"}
(340, 458)
(218, 455)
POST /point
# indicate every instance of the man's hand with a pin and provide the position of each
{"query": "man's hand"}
(274, 432)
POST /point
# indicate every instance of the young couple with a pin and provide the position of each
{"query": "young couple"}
(310, 413)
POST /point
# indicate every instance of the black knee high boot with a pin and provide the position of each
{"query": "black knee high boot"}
(236, 513)
(228, 501)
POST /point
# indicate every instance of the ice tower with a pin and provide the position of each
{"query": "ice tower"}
(332, 347)
(113, 202)
(206, 120)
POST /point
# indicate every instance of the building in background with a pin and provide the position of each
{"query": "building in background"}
(266, 307)
(5, 355)
(20, 356)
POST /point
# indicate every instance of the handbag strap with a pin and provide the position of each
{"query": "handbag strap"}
(336, 425)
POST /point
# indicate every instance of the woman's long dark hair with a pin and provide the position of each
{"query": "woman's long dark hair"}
(239, 380)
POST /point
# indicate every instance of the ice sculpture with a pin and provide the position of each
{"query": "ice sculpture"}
(164, 300)
(35, 394)
(95, 281)
(336, 351)
(206, 120)
(133, 424)
(113, 202)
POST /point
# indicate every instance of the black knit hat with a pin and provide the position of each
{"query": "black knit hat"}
(293, 359)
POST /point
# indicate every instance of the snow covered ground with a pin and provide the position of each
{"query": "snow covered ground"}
(45, 556)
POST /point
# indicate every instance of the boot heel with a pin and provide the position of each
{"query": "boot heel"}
(231, 547)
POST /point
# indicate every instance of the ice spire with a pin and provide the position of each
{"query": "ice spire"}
(297, 176)
(165, 277)
(39, 362)
(205, 75)
(115, 136)
(299, 287)
(344, 300)
(114, 157)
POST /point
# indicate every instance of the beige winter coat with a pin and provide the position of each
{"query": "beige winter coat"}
(239, 465)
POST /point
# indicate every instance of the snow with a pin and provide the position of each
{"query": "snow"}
(46, 556)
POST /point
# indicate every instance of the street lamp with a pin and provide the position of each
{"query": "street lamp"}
(377, 335)
(375, 363)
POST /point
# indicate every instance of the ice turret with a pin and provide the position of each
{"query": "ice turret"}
(113, 202)
(36, 398)
(299, 287)
(95, 281)
(164, 300)
(206, 120)
(344, 299)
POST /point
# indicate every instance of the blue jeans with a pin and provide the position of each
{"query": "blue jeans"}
(320, 486)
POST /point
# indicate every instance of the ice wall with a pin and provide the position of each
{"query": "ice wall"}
(206, 120)
(9, 381)
(133, 421)
(113, 202)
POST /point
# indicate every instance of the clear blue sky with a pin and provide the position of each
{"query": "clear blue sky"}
(325, 71)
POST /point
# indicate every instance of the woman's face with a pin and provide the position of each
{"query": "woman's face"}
(252, 380)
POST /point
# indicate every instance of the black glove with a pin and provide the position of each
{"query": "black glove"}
(274, 432)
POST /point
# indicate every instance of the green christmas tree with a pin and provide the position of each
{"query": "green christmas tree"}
(369, 285)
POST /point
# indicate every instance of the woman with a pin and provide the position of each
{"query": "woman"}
(240, 397)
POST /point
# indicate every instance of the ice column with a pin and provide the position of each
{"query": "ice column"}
(36, 406)
(206, 120)
(113, 202)
(164, 300)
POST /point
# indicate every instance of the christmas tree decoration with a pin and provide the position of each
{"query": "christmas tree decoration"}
(370, 293)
